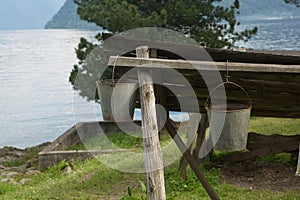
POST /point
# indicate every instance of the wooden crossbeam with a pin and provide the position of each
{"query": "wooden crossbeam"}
(263, 145)
(155, 63)
(179, 49)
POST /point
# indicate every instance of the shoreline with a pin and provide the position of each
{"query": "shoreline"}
(15, 159)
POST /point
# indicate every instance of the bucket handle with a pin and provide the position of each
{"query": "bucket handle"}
(232, 83)
(113, 73)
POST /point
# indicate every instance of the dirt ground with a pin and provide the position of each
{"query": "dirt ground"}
(261, 175)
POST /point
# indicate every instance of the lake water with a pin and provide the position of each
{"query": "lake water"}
(275, 34)
(36, 97)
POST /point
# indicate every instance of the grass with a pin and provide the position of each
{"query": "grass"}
(268, 126)
(117, 140)
(30, 155)
(92, 179)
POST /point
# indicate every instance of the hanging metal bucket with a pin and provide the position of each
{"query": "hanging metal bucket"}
(234, 133)
(117, 100)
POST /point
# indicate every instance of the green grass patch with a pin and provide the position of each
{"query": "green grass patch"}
(118, 140)
(93, 180)
(15, 163)
(76, 147)
(279, 158)
(268, 126)
(6, 188)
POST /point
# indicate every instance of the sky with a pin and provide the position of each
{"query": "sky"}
(27, 14)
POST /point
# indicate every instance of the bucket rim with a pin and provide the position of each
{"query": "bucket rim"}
(245, 108)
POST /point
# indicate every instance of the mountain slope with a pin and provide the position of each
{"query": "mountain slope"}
(254, 9)
(68, 18)
(261, 9)
(27, 14)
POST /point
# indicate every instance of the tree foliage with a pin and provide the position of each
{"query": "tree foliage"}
(206, 21)
(296, 2)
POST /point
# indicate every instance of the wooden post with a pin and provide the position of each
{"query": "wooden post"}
(200, 137)
(191, 161)
(152, 151)
(191, 132)
(159, 91)
(298, 166)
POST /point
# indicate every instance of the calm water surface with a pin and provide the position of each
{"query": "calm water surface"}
(36, 97)
(276, 34)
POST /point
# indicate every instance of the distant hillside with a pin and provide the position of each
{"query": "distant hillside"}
(67, 18)
(27, 14)
(250, 9)
(264, 9)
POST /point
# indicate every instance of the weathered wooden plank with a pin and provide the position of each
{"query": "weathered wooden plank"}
(235, 93)
(257, 113)
(190, 135)
(253, 154)
(160, 92)
(201, 65)
(280, 105)
(263, 104)
(255, 82)
(200, 137)
(152, 151)
(275, 112)
(264, 145)
(272, 93)
(196, 79)
(258, 141)
(255, 56)
(298, 165)
(177, 50)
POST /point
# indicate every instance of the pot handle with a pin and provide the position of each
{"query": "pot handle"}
(224, 83)
(113, 73)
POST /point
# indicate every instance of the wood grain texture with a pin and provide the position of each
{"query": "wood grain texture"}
(193, 65)
(273, 88)
(263, 145)
(151, 145)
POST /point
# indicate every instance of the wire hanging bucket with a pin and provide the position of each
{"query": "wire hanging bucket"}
(117, 98)
(234, 133)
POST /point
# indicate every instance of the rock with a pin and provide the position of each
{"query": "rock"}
(11, 156)
(23, 181)
(32, 163)
(18, 163)
(67, 170)
(10, 174)
(19, 169)
(9, 180)
(32, 172)
(38, 147)
(5, 180)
